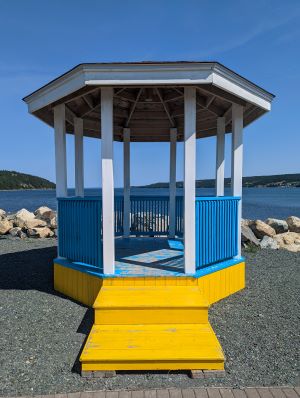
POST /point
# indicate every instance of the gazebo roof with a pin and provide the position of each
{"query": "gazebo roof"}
(148, 97)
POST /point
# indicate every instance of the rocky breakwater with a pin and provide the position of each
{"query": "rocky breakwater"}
(272, 233)
(25, 224)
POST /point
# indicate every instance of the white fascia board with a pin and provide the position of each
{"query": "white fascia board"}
(148, 74)
(58, 89)
(242, 88)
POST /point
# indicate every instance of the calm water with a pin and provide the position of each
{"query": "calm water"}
(257, 202)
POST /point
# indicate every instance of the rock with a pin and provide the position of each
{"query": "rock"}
(293, 223)
(41, 210)
(45, 213)
(44, 232)
(248, 235)
(53, 223)
(22, 234)
(5, 226)
(34, 223)
(268, 243)
(21, 217)
(289, 241)
(14, 231)
(280, 226)
(246, 222)
(262, 229)
(2, 214)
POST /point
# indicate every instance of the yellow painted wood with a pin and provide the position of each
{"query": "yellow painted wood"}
(223, 283)
(150, 305)
(77, 285)
(168, 346)
(150, 323)
(84, 288)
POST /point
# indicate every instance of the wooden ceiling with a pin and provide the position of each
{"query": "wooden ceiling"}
(150, 111)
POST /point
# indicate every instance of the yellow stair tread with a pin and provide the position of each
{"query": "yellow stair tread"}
(152, 343)
(150, 297)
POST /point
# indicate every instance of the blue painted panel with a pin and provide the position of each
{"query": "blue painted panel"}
(79, 230)
(216, 229)
(179, 216)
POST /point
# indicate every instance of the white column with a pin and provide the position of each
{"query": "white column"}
(60, 150)
(237, 161)
(78, 133)
(172, 184)
(189, 179)
(107, 180)
(220, 158)
(126, 159)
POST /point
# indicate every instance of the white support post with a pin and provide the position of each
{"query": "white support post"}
(172, 185)
(126, 159)
(220, 158)
(60, 150)
(189, 179)
(78, 132)
(107, 180)
(237, 162)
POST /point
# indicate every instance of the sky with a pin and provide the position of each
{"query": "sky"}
(40, 40)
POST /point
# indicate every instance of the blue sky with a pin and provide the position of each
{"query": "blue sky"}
(40, 40)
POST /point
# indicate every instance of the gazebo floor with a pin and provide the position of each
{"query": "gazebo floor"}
(149, 256)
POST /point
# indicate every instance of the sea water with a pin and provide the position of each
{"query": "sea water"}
(258, 203)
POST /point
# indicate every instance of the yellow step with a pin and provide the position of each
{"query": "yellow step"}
(150, 305)
(152, 347)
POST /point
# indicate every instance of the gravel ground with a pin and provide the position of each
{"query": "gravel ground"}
(42, 332)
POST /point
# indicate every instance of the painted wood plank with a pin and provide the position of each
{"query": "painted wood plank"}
(189, 179)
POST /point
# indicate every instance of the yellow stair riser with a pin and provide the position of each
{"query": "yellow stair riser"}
(150, 316)
(153, 365)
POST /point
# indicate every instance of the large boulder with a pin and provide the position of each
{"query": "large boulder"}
(44, 232)
(261, 229)
(293, 223)
(248, 235)
(2, 214)
(21, 217)
(45, 213)
(41, 210)
(5, 226)
(289, 241)
(280, 226)
(269, 243)
(34, 223)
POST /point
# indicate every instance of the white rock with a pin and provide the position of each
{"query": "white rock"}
(280, 226)
(248, 235)
(268, 243)
(53, 222)
(288, 241)
(293, 223)
(21, 217)
(2, 214)
(34, 223)
(5, 226)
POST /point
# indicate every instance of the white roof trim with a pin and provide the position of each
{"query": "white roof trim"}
(148, 74)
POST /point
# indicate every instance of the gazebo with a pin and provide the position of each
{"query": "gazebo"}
(149, 265)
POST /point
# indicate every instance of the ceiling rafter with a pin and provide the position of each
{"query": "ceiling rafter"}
(133, 107)
(166, 108)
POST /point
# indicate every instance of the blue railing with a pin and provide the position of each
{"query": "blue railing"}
(216, 229)
(149, 215)
(80, 225)
(80, 230)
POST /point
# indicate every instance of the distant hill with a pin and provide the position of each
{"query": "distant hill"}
(15, 180)
(278, 180)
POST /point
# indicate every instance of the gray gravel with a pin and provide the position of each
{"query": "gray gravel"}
(42, 332)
